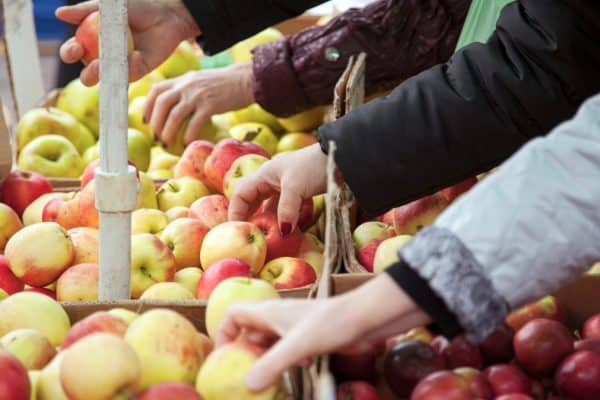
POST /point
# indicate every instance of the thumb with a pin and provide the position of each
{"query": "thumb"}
(75, 14)
(288, 208)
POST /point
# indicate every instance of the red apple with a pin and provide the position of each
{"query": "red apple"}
(443, 385)
(462, 353)
(409, 362)
(44, 291)
(366, 255)
(477, 383)
(497, 348)
(100, 321)
(8, 281)
(591, 327)
(578, 376)
(411, 217)
(507, 379)
(514, 396)
(21, 188)
(547, 307)
(587, 344)
(541, 344)
(88, 36)
(211, 210)
(14, 379)
(354, 367)
(277, 244)
(218, 272)
(356, 390)
(453, 192)
(191, 162)
(288, 273)
(170, 391)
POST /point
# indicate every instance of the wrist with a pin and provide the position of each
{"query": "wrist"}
(245, 76)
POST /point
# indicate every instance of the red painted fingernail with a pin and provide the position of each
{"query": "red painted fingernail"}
(285, 228)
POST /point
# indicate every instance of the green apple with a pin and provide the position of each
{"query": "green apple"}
(253, 113)
(53, 121)
(387, 252)
(305, 121)
(182, 60)
(180, 192)
(135, 117)
(147, 194)
(162, 160)
(207, 132)
(51, 156)
(138, 149)
(148, 220)
(257, 133)
(83, 103)
(242, 51)
(142, 86)
(161, 174)
(151, 261)
(295, 141)
(370, 230)
(231, 291)
(241, 167)
(92, 153)
(188, 278)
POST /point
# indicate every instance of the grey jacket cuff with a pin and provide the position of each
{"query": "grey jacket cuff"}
(454, 274)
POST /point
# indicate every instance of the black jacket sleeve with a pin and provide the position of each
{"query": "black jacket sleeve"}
(471, 113)
(226, 22)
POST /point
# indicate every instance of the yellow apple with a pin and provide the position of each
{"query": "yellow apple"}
(188, 278)
(257, 133)
(387, 252)
(151, 262)
(148, 220)
(234, 291)
(370, 230)
(82, 102)
(85, 242)
(9, 225)
(33, 212)
(295, 141)
(142, 86)
(305, 121)
(161, 174)
(34, 311)
(242, 51)
(253, 113)
(241, 167)
(52, 156)
(167, 291)
(147, 193)
(135, 117)
(162, 161)
(31, 347)
(34, 376)
(184, 237)
(126, 315)
(138, 149)
(177, 212)
(48, 384)
(311, 250)
(182, 60)
(180, 192)
(78, 283)
(168, 345)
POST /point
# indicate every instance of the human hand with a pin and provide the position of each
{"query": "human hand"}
(157, 28)
(199, 94)
(296, 330)
(289, 179)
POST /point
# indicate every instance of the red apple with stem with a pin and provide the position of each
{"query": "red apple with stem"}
(21, 188)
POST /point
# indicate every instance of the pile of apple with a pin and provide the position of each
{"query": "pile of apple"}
(534, 356)
(120, 354)
(59, 141)
(377, 242)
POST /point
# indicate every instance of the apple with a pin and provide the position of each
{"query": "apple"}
(462, 353)
(252, 113)
(367, 231)
(138, 149)
(578, 376)
(97, 322)
(387, 252)
(295, 141)
(167, 291)
(147, 193)
(277, 244)
(161, 166)
(135, 117)
(33, 212)
(177, 212)
(234, 239)
(38, 254)
(206, 132)
(88, 214)
(288, 273)
(477, 383)
(407, 363)
(420, 333)
(223, 156)
(497, 347)
(184, 237)
(82, 102)
(541, 344)
(442, 385)
(356, 390)
(411, 217)
(354, 367)
(101, 366)
(218, 272)
(188, 278)
(242, 51)
(507, 379)
(9, 224)
(126, 315)
(591, 327)
(257, 133)
(192, 160)
(305, 121)
(34, 311)
(170, 391)
(85, 241)
(151, 262)
(366, 255)
(234, 291)
(241, 167)
(48, 384)
(148, 220)
(20, 188)
(66, 213)
(180, 192)
(210, 210)
(182, 60)
(168, 346)
(546, 307)
(14, 380)
(223, 374)
(53, 121)
(451, 193)
(142, 86)
(31, 347)
(44, 291)
(8, 281)
(514, 396)
(52, 156)
(587, 344)
(78, 283)
(3, 294)
(33, 380)
(88, 36)
(311, 250)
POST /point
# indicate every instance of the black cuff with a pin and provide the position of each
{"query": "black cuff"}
(212, 23)
(418, 289)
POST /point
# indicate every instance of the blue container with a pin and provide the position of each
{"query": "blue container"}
(47, 26)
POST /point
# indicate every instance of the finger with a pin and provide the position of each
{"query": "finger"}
(157, 89)
(76, 13)
(174, 122)
(237, 318)
(71, 51)
(289, 205)
(137, 66)
(248, 194)
(91, 73)
(164, 103)
(199, 118)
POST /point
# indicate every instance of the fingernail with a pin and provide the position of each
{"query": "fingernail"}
(254, 381)
(285, 228)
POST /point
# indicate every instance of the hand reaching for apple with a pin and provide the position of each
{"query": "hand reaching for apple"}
(157, 28)
(288, 179)
(198, 95)
(296, 330)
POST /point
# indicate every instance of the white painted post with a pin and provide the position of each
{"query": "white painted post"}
(116, 183)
